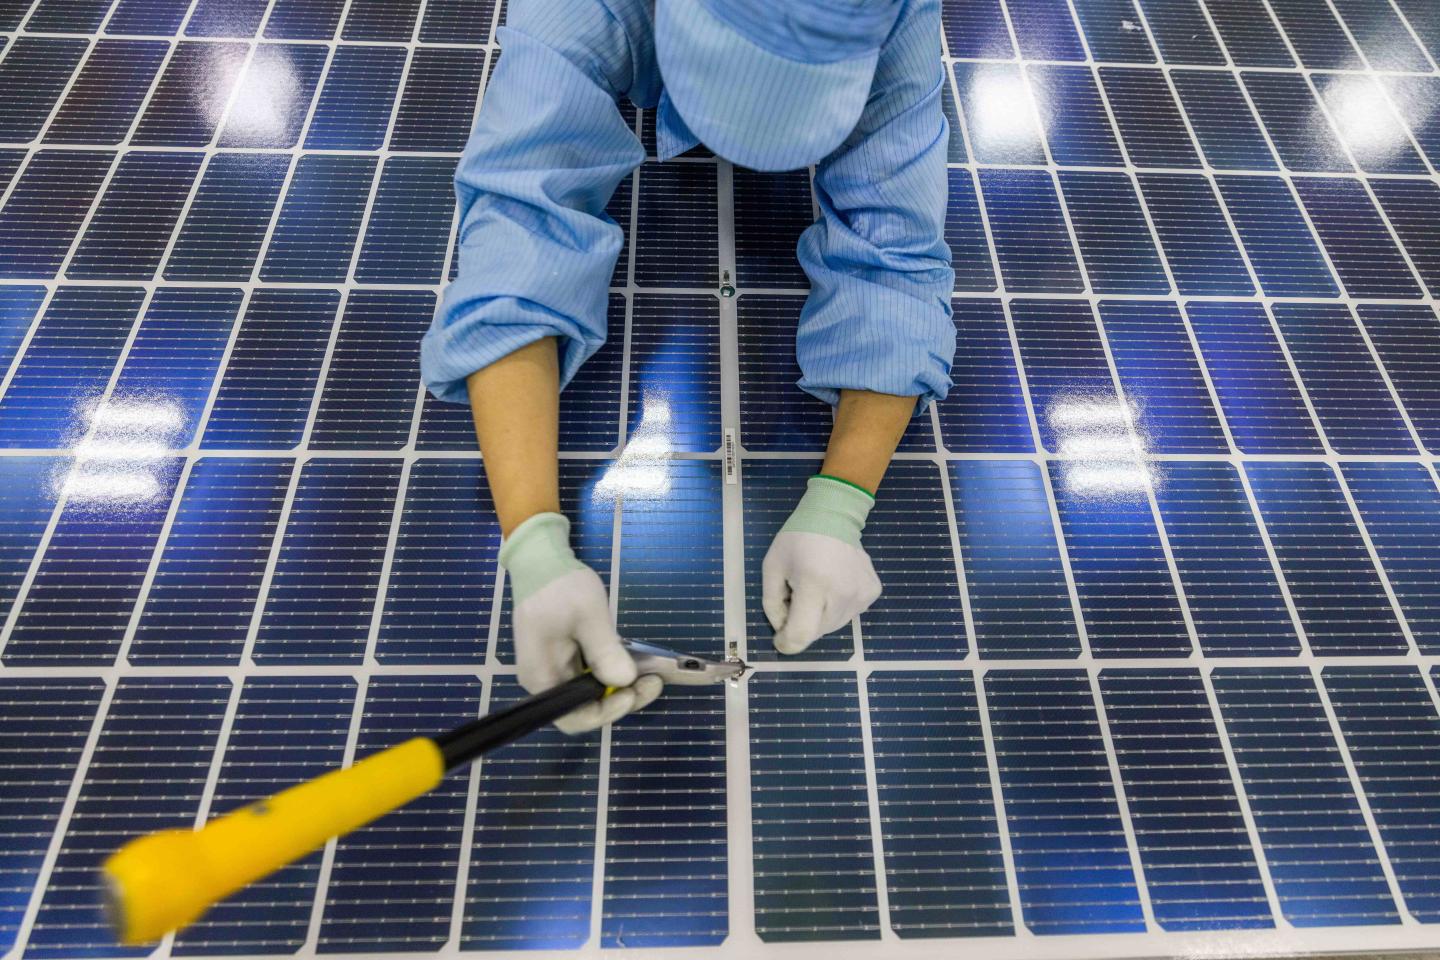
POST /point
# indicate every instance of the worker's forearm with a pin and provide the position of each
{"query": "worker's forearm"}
(516, 404)
(868, 427)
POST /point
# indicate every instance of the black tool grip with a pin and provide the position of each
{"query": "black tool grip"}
(465, 743)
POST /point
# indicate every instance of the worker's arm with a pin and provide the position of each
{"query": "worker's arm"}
(516, 405)
(875, 337)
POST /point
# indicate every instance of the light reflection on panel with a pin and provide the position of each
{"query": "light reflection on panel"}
(810, 814)
(665, 838)
(1321, 859)
(1071, 859)
(944, 873)
(1073, 116)
(998, 113)
(674, 376)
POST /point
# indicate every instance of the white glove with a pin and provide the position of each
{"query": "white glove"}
(562, 624)
(817, 577)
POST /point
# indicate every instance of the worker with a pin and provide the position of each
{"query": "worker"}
(852, 87)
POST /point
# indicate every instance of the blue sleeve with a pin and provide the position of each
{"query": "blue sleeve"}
(878, 315)
(549, 147)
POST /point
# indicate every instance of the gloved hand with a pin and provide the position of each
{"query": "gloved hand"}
(562, 624)
(817, 577)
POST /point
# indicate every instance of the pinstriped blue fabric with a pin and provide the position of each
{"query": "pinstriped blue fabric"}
(550, 147)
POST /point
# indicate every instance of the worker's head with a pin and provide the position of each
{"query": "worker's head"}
(771, 84)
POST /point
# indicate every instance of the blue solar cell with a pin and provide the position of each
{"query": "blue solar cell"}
(1199, 867)
(985, 410)
(438, 105)
(1360, 246)
(1424, 19)
(665, 840)
(1223, 123)
(286, 730)
(1019, 601)
(442, 578)
(44, 722)
(131, 788)
(1408, 340)
(589, 405)
(810, 820)
(998, 115)
(532, 859)
(228, 218)
(675, 241)
(965, 235)
(1356, 410)
(1416, 98)
(200, 603)
(771, 211)
(1230, 586)
(103, 100)
(1182, 31)
(944, 872)
(320, 219)
(1318, 850)
(147, 17)
(10, 161)
(955, 144)
(1072, 862)
(68, 16)
(1374, 135)
(131, 226)
(1281, 247)
(46, 208)
(1160, 375)
(1045, 30)
(1127, 596)
(1400, 507)
(1194, 235)
(392, 882)
(1412, 206)
(921, 614)
(85, 586)
(226, 18)
(976, 29)
(457, 21)
(1295, 122)
(1029, 230)
(1258, 393)
(1382, 35)
(304, 20)
(370, 389)
(776, 414)
(770, 489)
(1073, 115)
(674, 374)
(1148, 117)
(619, 209)
(671, 553)
(381, 20)
(1252, 38)
(1065, 366)
(18, 306)
(408, 235)
(591, 510)
(1113, 31)
(27, 499)
(160, 394)
(1389, 723)
(319, 606)
(264, 398)
(175, 116)
(1318, 38)
(1332, 580)
(67, 365)
(1113, 236)
(274, 97)
(12, 13)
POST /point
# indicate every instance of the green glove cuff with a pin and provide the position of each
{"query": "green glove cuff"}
(833, 508)
(536, 553)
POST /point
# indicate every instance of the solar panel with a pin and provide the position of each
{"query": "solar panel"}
(1155, 670)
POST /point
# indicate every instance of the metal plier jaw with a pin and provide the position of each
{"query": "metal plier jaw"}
(681, 668)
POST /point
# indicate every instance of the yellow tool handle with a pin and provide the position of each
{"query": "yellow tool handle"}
(166, 880)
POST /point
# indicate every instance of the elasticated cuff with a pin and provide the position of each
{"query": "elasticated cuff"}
(536, 553)
(833, 508)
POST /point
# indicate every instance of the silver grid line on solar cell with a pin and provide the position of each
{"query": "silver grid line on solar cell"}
(739, 827)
